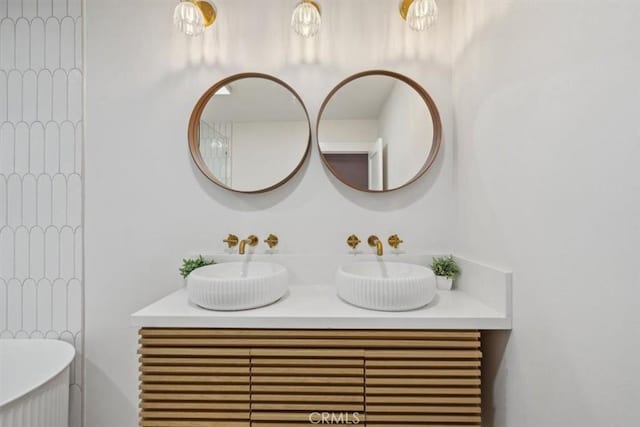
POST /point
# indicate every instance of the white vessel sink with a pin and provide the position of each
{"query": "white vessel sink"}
(237, 285)
(386, 286)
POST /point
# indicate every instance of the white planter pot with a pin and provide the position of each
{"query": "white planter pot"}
(444, 283)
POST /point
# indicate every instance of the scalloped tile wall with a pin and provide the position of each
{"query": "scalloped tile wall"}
(41, 110)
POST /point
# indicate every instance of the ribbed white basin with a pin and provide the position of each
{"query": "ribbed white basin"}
(237, 285)
(387, 286)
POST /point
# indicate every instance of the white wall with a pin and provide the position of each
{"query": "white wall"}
(352, 131)
(547, 103)
(265, 153)
(41, 68)
(146, 203)
(406, 128)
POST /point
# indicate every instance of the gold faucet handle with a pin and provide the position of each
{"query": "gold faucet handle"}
(272, 241)
(253, 240)
(353, 241)
(394, 241)
(231, 240)
(372, 240)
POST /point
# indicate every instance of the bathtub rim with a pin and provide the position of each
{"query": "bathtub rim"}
(68, 356)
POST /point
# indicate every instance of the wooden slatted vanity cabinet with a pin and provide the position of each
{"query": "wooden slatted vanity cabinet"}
(191, 377)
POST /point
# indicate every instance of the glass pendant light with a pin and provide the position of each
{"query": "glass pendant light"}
(419, 14)
(192, 17)
(306, 19)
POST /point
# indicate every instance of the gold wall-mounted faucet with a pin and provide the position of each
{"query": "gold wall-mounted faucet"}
(394, 241)
(272, 241)
(374, 241)
(251, 241)
(353, 241)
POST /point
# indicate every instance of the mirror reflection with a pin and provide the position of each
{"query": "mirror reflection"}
(253, 134)
(378, 132)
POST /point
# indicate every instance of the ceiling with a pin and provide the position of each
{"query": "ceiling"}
(254, 99)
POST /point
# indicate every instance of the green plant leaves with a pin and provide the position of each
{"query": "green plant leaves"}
(445, 266)
(190, 264)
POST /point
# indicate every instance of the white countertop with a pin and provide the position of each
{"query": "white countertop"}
(318, 307)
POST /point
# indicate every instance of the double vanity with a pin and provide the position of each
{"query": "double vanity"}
(316, 351)
(364, 337)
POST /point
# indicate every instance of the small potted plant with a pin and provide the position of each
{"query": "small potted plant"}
(190, 264)
(446, 269)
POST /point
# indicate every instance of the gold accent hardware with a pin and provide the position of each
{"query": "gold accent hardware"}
(272, 241)
(314, 4)
(231, 240)
(208, 12)
(353, 241)
(251, 241)
(374, 241)
(404, 8)
(394, 241)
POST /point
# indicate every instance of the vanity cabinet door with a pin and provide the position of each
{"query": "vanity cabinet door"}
(424, 378)
(192, 378)
(300, 384)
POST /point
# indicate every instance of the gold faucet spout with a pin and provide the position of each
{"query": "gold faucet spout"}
(251, 241)
(374, 241)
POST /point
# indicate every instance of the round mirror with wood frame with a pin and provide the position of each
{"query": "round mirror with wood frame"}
(378, 131)
(249, 133)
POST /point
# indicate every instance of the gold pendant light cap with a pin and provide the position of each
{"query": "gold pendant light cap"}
(404, 8)
(314, 4)
(208, 10)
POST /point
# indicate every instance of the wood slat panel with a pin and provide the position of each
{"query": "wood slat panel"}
(307, 371)
(306, 343)
(422, 363)
(423, 381)
(173, 406)
(422, 409)
(192, 414)
(401, 390)
(293, 362)
(289, 416)
(388, 334)
(423, 354)
(200, 370)
(194, 361)
(218, 388)
(226, 397)
(423, 400)
(397, 418)
(189, 351)
(305, 352)
(305, 380)
(317, 398)
(193, 423)
(287, 405)
(185, 379)
(309, 389)
(400, 373)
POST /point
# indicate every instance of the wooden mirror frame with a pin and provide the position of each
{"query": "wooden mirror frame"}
(193, 132)
(430, 103)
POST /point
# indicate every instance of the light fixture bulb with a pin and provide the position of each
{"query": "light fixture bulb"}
(193, 16)
(306, 19)
(422, 14)
(188, 18)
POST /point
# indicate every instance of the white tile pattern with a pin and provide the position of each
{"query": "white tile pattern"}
(41, 107)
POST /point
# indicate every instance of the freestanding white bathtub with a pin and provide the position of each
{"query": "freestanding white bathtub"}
(34, 383)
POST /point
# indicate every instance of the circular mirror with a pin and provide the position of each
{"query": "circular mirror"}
(378, 131)
(249, 133)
